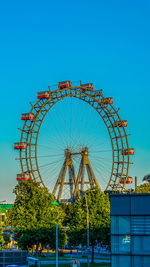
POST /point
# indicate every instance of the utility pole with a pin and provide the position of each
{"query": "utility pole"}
(135, 183)
(88, 232)
(56, 245)
(87, 222)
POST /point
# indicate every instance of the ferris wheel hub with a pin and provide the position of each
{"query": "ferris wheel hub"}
(85, 151)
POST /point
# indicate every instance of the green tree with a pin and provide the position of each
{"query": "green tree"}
(33, 210)
(99, 219)
(142, 188)
(1, 235)
(42, 237)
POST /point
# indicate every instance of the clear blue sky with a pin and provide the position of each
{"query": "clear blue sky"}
(42, 42)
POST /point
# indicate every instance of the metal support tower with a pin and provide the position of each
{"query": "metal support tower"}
(80, 181)
(76, 185)
(68, 163)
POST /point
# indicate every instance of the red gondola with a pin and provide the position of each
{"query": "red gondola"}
(24, 176)
(27, 116)
(107, 100)
(87, 86)
(45, 94)
(65, 84)
(129, 151)
(121, 124)
(128, 181)
(21, 145)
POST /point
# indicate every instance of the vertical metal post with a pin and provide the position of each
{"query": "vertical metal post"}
(56, 245)
(88, 232)
(135, 183)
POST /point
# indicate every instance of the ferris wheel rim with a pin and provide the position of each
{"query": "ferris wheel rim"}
(69, 93)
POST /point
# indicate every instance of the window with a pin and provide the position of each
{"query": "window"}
(140, 225)
(120, 244)
(141, 261)
(123, 261)
(120, 224)
(141, 244)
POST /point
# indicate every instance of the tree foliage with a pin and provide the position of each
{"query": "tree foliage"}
(33, 207)
(41, 237)
(99, 218)
(142, 188)
(34, 216)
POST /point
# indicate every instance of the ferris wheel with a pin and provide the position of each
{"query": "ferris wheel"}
(73, 139)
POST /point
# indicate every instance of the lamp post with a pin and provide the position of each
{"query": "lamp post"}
(135, 183)
(56, 245)
(88, 232)
(87, 223)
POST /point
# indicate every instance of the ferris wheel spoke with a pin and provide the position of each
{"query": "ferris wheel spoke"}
(57, 134)
(76, 116)
(50, 148)
(92, 146)
(70, 128)
(51, 141)
(90, 127)
(51, 169)
(101, 151)
(101, 162)
(63, 124)
(102, 166)
(100, 169)
(50, 174)
(106, 160)
(75, 137)
(51, 163)
(79, 123)
(101, 174)
(102, 143)
(48, 156)
(84, 124)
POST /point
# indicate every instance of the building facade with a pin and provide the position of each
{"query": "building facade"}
(130, 230)
(3, 210)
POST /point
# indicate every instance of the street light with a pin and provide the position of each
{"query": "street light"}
(56, 245)
(88, 232)
(83, 194)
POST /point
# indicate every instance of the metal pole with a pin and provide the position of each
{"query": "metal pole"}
(88, 232)
(56, 245)
(135, 183)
